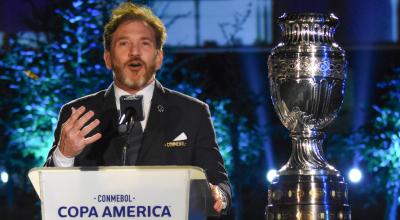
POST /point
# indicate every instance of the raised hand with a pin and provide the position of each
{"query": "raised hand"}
(73, 132)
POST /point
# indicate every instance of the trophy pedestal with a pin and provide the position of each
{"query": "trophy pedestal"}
(308, 197)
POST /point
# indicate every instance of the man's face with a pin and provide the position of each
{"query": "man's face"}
(133, 56)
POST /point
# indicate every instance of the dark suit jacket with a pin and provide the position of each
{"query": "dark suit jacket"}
(171, 113)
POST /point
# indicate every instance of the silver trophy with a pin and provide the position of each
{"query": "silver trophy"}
(307, 73)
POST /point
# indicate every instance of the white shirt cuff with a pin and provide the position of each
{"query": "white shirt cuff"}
(62, 161)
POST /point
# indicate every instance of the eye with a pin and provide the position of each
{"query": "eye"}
(122, 43)
(146, 43)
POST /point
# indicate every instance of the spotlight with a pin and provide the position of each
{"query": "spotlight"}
(271, 175)
(4, 176)
(355, 175)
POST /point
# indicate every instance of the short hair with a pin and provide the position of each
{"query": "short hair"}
(128, 11)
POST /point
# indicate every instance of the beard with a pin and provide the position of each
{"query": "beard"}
(122, 74)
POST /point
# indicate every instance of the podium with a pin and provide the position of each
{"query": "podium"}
(129, 192)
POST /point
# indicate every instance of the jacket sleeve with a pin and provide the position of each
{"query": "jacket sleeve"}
(208, 156)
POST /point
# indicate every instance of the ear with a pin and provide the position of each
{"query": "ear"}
(159, 59)
(107, 59)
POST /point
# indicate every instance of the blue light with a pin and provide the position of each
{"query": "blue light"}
(4, 176)
(394, 4)
(355, 175)
(272, 173)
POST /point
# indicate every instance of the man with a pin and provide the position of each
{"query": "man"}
(87, 129)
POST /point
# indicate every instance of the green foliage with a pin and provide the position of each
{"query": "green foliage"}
(42, 72)
(382, 135)
(378, 144)
(249, 139)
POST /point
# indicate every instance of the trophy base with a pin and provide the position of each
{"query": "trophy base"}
(308, 197)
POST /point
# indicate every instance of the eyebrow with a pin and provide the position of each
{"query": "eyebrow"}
(125, 37)
(146, 38)
(121, 38)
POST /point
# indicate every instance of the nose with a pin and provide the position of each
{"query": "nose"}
(134, 50)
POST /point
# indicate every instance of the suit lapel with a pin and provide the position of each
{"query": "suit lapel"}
(154, 134)
(108, 145)
(109, 114)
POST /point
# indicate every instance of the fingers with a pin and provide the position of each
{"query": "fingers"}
(218, 205)
(76, 113)
(89, 127)
(73, 132)
(92, 139)
(79, 123)
(214, 191)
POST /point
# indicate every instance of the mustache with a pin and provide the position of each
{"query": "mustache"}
(135, 60)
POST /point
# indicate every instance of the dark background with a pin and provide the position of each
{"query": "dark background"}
(238, 73)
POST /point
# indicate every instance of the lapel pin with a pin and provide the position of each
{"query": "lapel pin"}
(160, 108)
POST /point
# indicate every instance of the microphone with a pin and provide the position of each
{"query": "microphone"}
(125, 119)
(131, 108)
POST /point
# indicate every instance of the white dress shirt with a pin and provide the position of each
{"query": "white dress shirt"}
(62, 161)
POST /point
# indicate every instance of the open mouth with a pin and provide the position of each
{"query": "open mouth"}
(135, 64)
